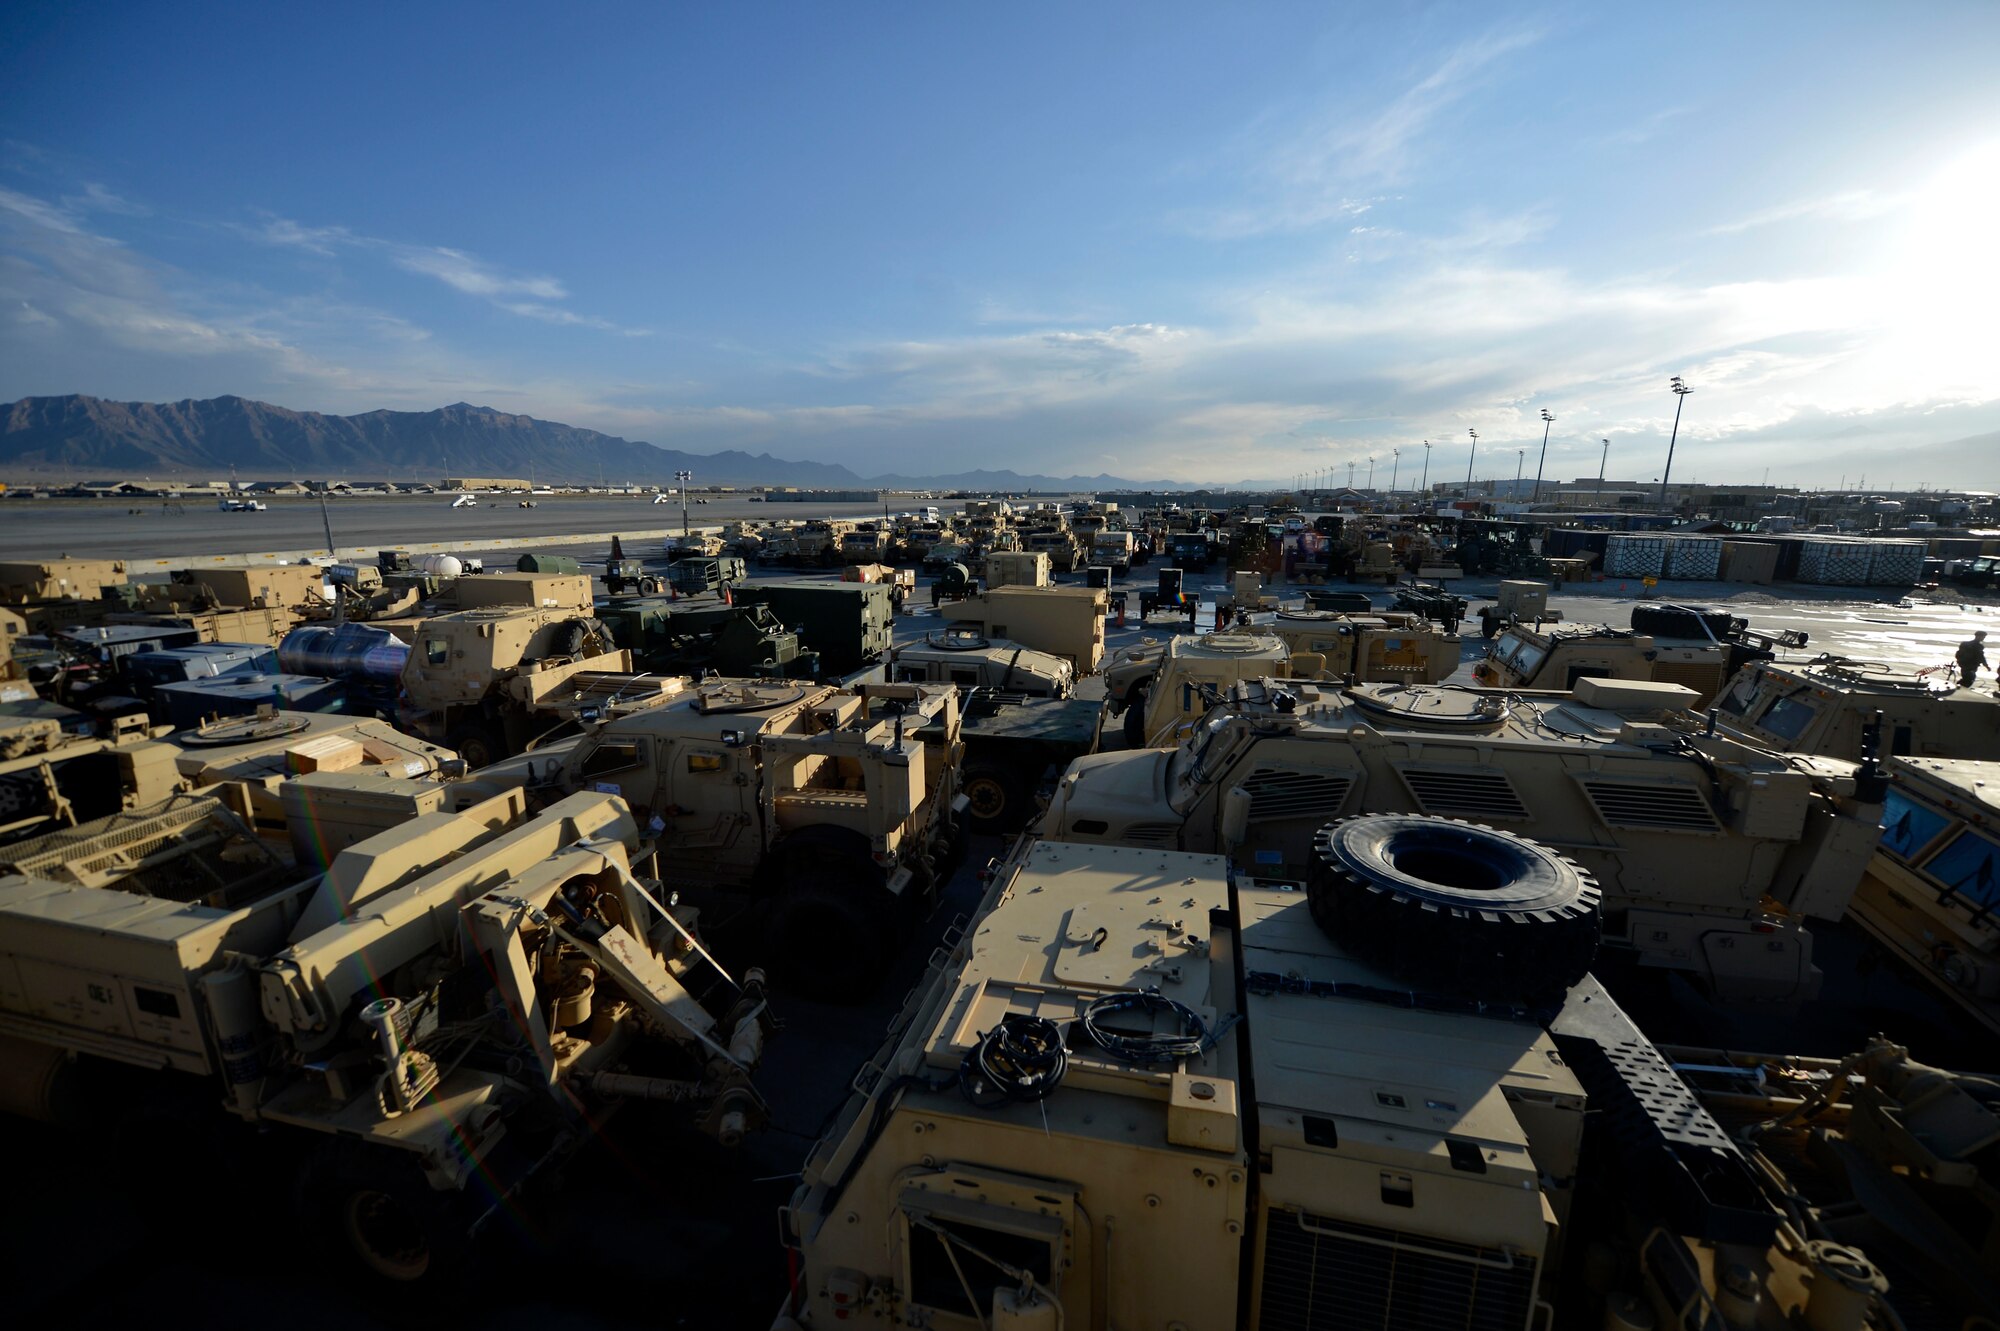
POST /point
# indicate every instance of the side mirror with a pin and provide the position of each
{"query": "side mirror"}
(1235, 817)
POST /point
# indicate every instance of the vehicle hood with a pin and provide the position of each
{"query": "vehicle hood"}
(1120, 790)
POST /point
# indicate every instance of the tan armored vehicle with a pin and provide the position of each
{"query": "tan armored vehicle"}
(1696, 648)
(1140, 1093)
(1932, 891)
(1062, 621)
(1059, 546)
(823, 803)
(971, 660)
(444, 1008)
(53, 777)
(479, 681)
(1182, 672)
(1714, 853)
(1822, 706)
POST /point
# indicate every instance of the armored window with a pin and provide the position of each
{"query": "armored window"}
(959, 1252)
(613, 755)
(1969, 870)
(965, 678)
(910, 674)
(1907, 827)
(437, 651)
(1787, 718)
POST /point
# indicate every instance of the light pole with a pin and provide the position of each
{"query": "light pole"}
(1548, 419)
(1680, 391)
(1520, 456)
(1601, 459)
(1468, 460)
(1350, 473)
(1426, 486)
(1395, 467)
(683, 477)
(1371, 471)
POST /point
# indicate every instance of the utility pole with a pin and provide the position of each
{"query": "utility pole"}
(1548, 419)
(1680, 392)
(1468, 461)
(682, 478)
(1426, 486)
(1395, 467)
(1520, 456)
(1371, 471)
(1602, 458)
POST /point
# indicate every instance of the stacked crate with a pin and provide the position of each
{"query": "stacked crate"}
(1895, 563)
(1694, 558)
(1834, 562)
(1631, 556)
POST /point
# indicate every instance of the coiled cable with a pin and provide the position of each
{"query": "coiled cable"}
(1192, 1040)
(1020, 1061)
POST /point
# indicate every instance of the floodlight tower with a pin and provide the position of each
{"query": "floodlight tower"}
(1468, 459)
(1680, 392)
(1548, 419)
(682, 478)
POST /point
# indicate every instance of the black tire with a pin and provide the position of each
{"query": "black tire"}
(375, 1210)
(999, 801)
(1135, 719)
(1489, 625)
(1456, 907)
(833, 929)
(479, 745)
(1681, 621)
(570, 637)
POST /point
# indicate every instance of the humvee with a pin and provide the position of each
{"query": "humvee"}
(971, 660)
(819, 803)
(1714, 852)
(1824, 706)
(1692, 646)
(1290, 644)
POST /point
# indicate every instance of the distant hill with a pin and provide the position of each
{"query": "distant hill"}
(203, 440)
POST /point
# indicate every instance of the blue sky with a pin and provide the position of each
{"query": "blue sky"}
(1190, 241)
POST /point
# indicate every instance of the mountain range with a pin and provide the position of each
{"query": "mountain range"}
(83, 438)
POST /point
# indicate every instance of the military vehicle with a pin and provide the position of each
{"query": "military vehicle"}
(971, 660)
(54, 594)
(1062, 621)
(1434, 601)
(1113, 548)
(1290, 644)
(901, 582)
(1016, 748)
(694, 545)
(531, 591)
(701, 577)
(868, 543)
(1059, 546)
(1699, 649)
(1140, 1092)
(476, 679)
(1932, 890)
(1517, 601)
(677, 638)
(943, 554)
(1714, 853)
(442, 1011)
(1190, 550)
(954, 583)
(850, 624)
(51, 775)
(822, 804)
(1824, 706)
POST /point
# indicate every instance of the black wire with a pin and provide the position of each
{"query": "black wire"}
(1020, 1061)
(1191, 1041)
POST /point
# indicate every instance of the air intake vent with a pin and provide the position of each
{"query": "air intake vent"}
(1464, 792)
(1331, 1275)
(1659, 807)
(1278, 794)
(1149, 834)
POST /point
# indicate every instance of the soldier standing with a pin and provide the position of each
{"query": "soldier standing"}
(1971, 656)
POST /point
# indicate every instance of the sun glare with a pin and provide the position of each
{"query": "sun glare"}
(1942, 289)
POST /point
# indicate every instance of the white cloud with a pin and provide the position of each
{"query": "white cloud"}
(1856, 205)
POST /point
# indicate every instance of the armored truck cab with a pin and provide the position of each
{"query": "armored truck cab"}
(1687, 645)
(474, 677)
(822, 803)
(1713, 852)
(1825, 705)
(971, 660)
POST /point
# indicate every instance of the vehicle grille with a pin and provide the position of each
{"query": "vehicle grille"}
(1150, 834)
(1666, 808)
(1464, 792)
(1329, 1275)
(1280, 794)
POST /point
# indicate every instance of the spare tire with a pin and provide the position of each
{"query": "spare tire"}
(1456, 907)
(1682, 621)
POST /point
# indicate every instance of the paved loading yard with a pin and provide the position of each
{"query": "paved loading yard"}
(647, 1228)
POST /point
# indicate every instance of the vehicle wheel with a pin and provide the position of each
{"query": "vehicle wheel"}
(1135, 719)
(832, 930)
(1456, 906)
(1488, 624)
(998, 804)
(381, 1215)
(651, 586)
(477, 744)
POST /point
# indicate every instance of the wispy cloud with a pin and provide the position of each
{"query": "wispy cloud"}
(1856, 205)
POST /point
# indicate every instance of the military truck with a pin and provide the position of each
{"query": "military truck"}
(1824, 706)
(51, 775)
(1059, 546)
(438, 1013)
(1714, 853)
(1141, 1091)
(971, 660)
(868, 543)
(1113, 548)
(1699, 649)
(1062, 621)
(1288, 644)
(850, 624)
(701, 577)
(1016, 747)
(819, 804)
(901, 582)
(676, 638)
(1932, 890)
(1190, 550)
(475, 679)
